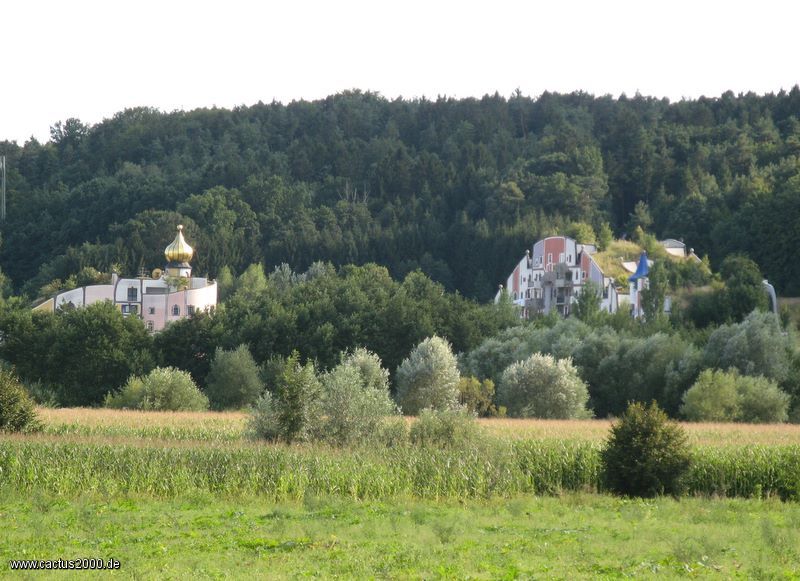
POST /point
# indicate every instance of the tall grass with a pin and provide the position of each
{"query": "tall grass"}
(495, 468)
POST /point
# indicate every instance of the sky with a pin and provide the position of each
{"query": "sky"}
(91, 59)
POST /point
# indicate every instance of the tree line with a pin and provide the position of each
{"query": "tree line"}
(437, 349)
(457, 188)
(78, 356)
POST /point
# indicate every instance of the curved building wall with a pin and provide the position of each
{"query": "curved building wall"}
(98, 292)
(74, 297)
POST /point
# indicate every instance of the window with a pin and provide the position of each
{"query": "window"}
(124, 309)
(190, 310)
(569, 258)
(150, 326)
(561, 257)
(176, 311)
(133, 293)
(133, 309)
(151, 310)
(583, 275)
(549, 258)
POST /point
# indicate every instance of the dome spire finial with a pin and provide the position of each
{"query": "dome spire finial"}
(179, 251)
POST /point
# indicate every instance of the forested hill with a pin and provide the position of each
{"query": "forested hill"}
(458, 188)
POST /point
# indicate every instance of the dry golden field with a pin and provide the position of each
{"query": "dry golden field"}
(230, 427)
(108, 417)
(712, 434)
(137, 425)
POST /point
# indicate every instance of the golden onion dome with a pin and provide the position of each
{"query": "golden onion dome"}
(179, 251)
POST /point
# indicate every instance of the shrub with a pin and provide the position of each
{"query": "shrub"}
(726, 396)
(559, 340)
(348, 404)
(393, 432)
(369, 367)
(756, 346)
(355, 399)
(587, 307)
(743, 286)
(543, 387)
(493, 355)
(660, 367)
(428, 378)
(445, 429)
(271, 371)
(478, 397)
(582, 232)
(762, 401)
(234, 379)
(17, 411)
(712, 398)
(263, 422)
(558, 337)
(42, 394)
(163, 389)
(645, 454)
(98, 350)
(292, 411)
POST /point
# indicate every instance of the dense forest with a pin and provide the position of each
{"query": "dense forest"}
(455, 187)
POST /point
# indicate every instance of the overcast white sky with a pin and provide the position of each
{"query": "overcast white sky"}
(90, 59)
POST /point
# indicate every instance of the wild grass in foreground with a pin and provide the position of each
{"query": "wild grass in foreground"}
(490, 468)
(571, 537)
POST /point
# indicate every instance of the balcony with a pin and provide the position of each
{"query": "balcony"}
(536, 305)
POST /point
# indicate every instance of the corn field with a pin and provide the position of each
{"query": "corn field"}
(496, 468)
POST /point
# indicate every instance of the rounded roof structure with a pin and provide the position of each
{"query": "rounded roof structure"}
(179, 250)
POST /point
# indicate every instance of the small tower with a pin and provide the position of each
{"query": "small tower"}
(178, 255)
(639, 281)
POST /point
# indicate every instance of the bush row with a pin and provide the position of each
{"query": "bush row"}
(620, 366)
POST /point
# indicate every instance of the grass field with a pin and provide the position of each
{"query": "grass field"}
(176, 495)
(571, 537)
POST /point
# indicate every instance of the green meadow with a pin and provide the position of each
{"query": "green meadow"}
(190, 496)
(566, 537)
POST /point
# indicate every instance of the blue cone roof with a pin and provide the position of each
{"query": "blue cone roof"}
(642, 270)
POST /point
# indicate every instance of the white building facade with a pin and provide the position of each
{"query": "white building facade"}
(553, 275)
(165, 297)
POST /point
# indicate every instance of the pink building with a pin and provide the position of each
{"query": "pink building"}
(158, 300)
